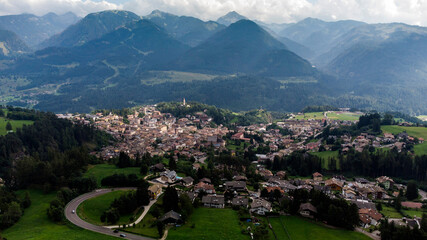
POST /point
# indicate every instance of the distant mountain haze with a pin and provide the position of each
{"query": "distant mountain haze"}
(33, 29)
(91, 27)
(231, 18)
(11, 44)
(244, 47)
(189, 30)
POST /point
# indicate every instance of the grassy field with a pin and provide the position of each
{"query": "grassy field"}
(302, 229)
(209, 223)
(91, 209)
(15, 124)
(419, 132)
(100, 171)
(35, 225)
(312, 115)
(344, 116)
(325, 158)
(390, 212)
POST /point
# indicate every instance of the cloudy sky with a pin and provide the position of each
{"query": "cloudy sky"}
(279, 11)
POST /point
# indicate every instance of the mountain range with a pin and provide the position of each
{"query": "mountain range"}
(161, 56)
(32, 30)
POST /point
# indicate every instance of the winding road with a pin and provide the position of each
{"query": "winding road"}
(76, 220)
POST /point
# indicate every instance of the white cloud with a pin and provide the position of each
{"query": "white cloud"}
(373, 11)
(41, 7)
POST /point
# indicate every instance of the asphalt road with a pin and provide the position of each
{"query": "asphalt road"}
(74, 218)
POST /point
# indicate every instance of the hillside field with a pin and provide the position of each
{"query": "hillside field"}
(15, 124)
(101, 171)
(35, 225)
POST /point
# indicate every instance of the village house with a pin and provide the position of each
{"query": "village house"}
(240, 202)
(171, 218)
(307, 210)
(317, 177)
(369, 217)
(167, 176)
(260, 206)
(386, 181)
(187, 181)
(238, 186)
(204, 187)
(334, 184)
(240, 136)
(213, 201)
(155, 190)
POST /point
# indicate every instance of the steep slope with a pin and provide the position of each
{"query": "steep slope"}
(33, 29)
(189, 30)
(91, 27)
(231, 18)
(243, 47)
(318, 35)
(11, 44)
(138, 46)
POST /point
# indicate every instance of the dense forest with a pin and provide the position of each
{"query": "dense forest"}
(50, 154)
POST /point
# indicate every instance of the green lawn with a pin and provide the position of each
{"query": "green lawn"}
(419, 132)
(210, 223)
(344, 116)
(35, 225)
(414, 212)
(15, 124)
(390, 212)
(325, 158)
(302, 229)
(100, 171)
(230, 145)
(91, 209)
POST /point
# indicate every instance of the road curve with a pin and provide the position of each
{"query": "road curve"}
(76, 220)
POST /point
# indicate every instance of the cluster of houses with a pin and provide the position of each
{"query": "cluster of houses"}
(148, 130)
(388, 140)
